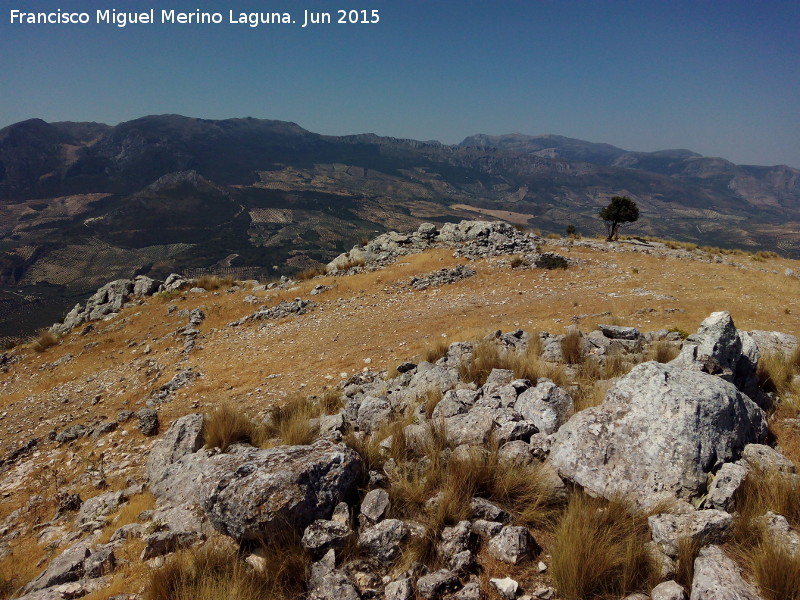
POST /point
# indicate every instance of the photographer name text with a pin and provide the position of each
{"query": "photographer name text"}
(173, 17)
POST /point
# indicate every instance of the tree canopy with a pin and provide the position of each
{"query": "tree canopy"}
(620, 211)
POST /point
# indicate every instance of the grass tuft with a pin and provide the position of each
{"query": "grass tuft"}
(662, 351)
(436, 350)
(226, 425)
(600, 551)
(777, 571)
(775, 371)
(688, 549)
(291, 422)
(45, 339)
(216, 571)
(213, 282)
(572, 347)
(310, 273)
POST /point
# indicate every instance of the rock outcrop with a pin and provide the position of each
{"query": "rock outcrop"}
(658, 434)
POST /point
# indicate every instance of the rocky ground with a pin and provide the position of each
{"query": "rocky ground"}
(428, 357)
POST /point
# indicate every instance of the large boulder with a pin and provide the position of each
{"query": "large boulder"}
(718, 348)
(658, 434)
(247, 491)
(185, 436)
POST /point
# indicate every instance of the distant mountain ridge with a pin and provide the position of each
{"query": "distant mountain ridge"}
(81, 203)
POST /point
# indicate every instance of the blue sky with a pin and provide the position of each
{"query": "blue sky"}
(720, 78)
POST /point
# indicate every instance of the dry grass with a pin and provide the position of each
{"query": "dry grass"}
(600, 551)
(572, 347)
(436, 350)
(762, 492)
(291, 422)
(310, 273)
(44, 339)
(615, 366)
(128, 513)
(673, 245)
(590, 394)
(688, 549)
(662, 351)
(431, 401)
(226, 425)
(211, 283)
(523, 490)
(776, 370)
(517, 261)
(216, 571)
(777, 571)
(526, 364)
(331, 401)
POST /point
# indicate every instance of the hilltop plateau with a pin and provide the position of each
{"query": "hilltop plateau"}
(462, 411)
(83, 203)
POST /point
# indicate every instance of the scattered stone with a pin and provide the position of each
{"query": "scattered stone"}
(148, 421)
(616, 332)
(326, 582)
(375, 505)
(513, 545)
(402, 589)
(436, 584)
(723, 489)
(668, 590)
(298, 306)
(383, 541)
(442, 277)
(323, 535)
(506, 587)
(71, 433)
(164, 542)
(765, 459)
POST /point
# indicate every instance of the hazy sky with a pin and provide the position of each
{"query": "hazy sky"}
(721, 78)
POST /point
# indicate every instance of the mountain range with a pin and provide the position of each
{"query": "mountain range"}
(82, 203)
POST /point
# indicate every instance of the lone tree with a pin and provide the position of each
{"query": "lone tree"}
(621, 210)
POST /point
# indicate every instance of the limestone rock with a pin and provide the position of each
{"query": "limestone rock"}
(375, 505)
(763, 458)
(513, 545)
(506, 587)
(323, 535)
(703, 526)
(94, 509)
(668, 590)
(383, 541)
(716, 577)
(436, 584)
(717, 348)
(248, 490)
(657, 435)
(546, 405)
(723, 489)
(184, 436)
